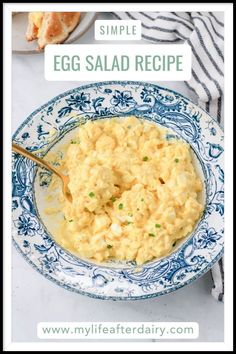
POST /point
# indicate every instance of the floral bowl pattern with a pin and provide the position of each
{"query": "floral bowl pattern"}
(191, 259)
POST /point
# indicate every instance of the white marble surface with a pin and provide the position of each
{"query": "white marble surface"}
(36, 299)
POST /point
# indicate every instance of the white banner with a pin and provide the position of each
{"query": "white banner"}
(117, 30)
(101, 62)
(118, 330)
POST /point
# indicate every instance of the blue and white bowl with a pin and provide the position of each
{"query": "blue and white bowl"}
(52, 124)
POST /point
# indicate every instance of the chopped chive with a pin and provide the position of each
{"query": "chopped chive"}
(73, 142)
(142, 200)
(71, 220)
(176, 160)
(91, 194)
(129, 126)
(109, 246)
(158, 225)
(138, 209)
(128, 222)
(130, 214)
(113, 199)
(152, 235)
(145, 158)
(120, 206)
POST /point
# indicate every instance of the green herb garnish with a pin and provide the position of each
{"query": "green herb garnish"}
(120, 206)
(176, 160)
(71, 220)
(152, 235)
(142, 200)
(73, 142)
(145, 158)
(113, 199)
(158, 225)
(109, 246)
(91, 194)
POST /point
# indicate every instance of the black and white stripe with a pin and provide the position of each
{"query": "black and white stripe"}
(217, 273)
(204, 32)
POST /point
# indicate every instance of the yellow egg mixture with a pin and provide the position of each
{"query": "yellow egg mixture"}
(134, 192)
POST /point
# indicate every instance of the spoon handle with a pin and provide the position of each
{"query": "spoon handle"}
(18, 149)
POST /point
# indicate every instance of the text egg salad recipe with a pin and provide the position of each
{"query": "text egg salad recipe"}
(119, 63)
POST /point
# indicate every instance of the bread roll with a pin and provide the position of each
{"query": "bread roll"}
(51, 27)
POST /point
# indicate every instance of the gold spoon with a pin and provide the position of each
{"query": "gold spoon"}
(65, 179)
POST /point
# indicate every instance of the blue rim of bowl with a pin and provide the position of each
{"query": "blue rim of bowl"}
(120, 298)
(104, 297)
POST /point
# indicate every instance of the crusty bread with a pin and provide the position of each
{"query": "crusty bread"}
(51, 27)
(35, 20)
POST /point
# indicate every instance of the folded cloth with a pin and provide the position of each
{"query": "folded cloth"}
(217, 273)
(204, 32)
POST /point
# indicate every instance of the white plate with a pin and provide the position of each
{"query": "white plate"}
(19, 26)
(51, 124)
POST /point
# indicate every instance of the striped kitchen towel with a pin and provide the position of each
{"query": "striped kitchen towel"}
(204, 32)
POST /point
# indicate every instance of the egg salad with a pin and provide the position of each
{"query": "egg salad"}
(135, 193)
